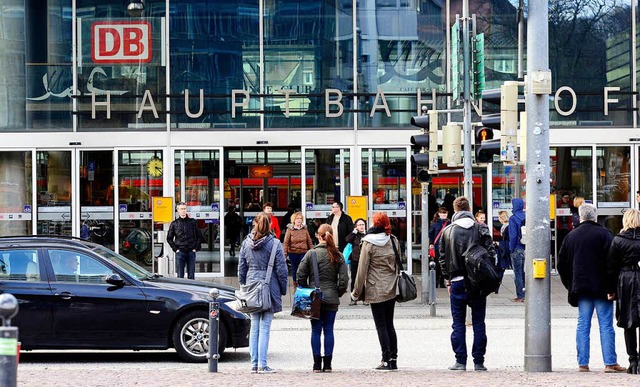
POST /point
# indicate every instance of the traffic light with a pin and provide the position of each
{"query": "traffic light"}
(506, 121)
(426, 143)
(486, 146)
(452, 145)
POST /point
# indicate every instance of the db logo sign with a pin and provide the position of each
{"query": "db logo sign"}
(121, 42)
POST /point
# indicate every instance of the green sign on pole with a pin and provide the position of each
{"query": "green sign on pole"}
(455, 61)
(478, 66)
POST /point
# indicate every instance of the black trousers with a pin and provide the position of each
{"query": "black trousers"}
(353, 266)
(383, 318)
(631, 342)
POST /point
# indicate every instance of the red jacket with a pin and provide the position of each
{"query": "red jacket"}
(275, 226)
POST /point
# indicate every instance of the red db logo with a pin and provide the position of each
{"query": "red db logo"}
(121, 42)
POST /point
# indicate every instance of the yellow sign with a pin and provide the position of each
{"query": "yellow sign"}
(162, 209)
(552, 206)
(357, 207)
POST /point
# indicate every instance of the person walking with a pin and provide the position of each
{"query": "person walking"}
(623, 263)
(355, 238)
(255, 254)
(582, 265)
(463, 232)
(185, 240)
(233, 222)
(334, 279)
(297, 242)
(440, 221)
(516, 247)
(376, 283)
(341, 223)
(275, 224)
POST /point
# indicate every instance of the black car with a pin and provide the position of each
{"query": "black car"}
(75, 294)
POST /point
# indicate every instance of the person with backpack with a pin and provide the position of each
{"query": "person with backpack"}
(457, 238)
(516, 247)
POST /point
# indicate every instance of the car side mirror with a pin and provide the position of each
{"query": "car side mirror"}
(114, 279)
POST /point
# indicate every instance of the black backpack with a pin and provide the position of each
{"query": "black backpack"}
(483, 277)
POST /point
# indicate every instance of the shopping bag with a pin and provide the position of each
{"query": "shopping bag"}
(347, 253)
(307, 303)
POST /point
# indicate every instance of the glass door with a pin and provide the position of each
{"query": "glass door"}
(54, 192)
(327, 173)
(96, 177)
(197, 183)
(15, 193)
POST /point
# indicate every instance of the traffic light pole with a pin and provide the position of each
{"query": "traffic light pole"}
(467, 65)
(537, 357)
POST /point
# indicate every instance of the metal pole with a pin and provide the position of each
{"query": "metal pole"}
(537, 357)
(424, 237)
(8, 342)
(466, 54)
(432, 289)
(212, 354)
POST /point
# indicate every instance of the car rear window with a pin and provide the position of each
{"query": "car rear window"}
(19, 265)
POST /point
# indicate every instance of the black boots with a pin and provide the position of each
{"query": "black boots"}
(317, 363)
(327, 363)
(633, 365)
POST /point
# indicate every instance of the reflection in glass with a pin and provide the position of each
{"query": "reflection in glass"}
(572, 171)
(15, 193)
(139, 179)
(96, 197)
(197, 175)
(613, 172)
(53, 171)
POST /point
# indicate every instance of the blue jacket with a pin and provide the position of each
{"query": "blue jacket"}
(515, 222)
(435, 230)
(256, 269)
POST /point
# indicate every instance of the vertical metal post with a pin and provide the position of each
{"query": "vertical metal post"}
(424, 237)
(8, 342)
(212, 354)
(537, 357)
(467, 65)
(432, 289)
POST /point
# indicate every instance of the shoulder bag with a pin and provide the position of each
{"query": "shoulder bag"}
(255, 296)
(407, 290)
(307, 302)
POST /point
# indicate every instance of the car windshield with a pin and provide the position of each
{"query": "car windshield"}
(123, 263)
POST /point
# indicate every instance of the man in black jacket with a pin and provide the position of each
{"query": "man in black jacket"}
(583, 271)
(341, 223)
(184, 237)
(455, 239)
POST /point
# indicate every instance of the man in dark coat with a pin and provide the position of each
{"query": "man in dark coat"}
(341, 223)
(463, 232)
(185, 240)
(583, 271)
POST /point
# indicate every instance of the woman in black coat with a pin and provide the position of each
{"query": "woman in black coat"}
(623, 264)
(355, 238)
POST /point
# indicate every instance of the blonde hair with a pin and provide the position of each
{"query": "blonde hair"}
(630, 219)
(295, 216)
(503, 217)
(578, 201)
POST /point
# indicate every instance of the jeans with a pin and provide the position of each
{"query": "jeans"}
(323, 325)
(188, 259)
(517, 261)
(259, 338)
(604, 311)
(295, 260)
(383, 318)
(459, 301)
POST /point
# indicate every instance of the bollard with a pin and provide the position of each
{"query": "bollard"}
(432, 289)
(214, 318)
(8, 341)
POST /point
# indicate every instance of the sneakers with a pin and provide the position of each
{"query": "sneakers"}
(614, 368)
(384, 366)
(394, 364)
(479, 367)
(458, 367)
(254, 370)
(584, 368)
(518, 299)
(266, 370)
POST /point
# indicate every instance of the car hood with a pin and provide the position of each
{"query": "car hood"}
(200, 287)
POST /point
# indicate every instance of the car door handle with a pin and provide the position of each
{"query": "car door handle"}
(64, 295)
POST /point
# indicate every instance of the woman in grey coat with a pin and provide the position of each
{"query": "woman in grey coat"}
(253, 263)
(333, 280)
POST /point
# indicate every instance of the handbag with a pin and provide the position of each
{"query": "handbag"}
(407, 290)
(255, 296)
(346, 253)
(307, 302)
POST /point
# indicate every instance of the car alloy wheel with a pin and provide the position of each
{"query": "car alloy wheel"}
(194, 336)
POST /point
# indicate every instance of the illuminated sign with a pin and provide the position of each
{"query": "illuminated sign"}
(121, 42)
(264, 171)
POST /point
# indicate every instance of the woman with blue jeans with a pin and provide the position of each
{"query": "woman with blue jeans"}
(297, 242)
(252, 266)
(333, 280)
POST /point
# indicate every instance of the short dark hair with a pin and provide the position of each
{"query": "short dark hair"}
(339, 205)
(181, 204)
(267, 204)
(461, 204)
